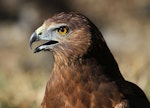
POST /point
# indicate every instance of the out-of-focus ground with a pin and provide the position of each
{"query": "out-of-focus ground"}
(125, 25)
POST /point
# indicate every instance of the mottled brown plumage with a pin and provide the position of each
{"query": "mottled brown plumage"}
(85, 73)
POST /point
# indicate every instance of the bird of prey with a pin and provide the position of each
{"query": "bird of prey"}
(85, 73)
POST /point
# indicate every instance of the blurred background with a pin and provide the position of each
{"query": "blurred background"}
(125, 25)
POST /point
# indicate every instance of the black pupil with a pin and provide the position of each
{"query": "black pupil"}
(62, 29)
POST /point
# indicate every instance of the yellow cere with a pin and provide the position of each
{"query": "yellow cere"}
(40, 30)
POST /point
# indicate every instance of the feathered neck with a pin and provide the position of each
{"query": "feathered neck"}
(93, 52)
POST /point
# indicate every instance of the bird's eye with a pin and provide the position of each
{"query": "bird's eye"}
(63, 30)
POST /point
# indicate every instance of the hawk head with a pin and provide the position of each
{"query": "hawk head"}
(63, 30)
(72, 36)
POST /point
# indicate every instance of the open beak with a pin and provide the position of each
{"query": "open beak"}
(46, 46)
(34, 37)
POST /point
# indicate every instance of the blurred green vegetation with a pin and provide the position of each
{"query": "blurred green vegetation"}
(23, 75)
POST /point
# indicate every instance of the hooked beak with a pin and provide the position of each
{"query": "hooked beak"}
(46, 46)
(34, 37)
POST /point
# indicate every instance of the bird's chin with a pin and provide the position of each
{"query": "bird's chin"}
(46, 46)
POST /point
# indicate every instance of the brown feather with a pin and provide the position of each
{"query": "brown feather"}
(85, 73)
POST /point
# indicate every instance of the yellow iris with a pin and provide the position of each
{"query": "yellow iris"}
(63, 30)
